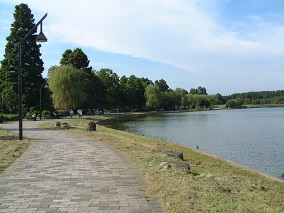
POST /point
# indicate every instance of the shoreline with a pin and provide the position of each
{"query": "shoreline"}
(121, 115)
(240, 165)
(212, 184)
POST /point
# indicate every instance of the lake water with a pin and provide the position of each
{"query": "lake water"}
(251, 137)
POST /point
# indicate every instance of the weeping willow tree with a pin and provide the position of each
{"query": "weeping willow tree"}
(67, 85)
(153, 96)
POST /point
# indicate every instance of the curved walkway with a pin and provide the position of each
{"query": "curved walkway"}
(66, 172)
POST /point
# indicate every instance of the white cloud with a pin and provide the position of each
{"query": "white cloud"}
(184, 34)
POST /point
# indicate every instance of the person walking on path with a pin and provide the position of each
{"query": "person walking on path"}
(67, 172)
(71, 113)
(80, 112)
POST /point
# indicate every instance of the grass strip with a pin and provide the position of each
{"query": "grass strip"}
(10, 148)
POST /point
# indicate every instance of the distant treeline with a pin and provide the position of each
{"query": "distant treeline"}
(255, 98)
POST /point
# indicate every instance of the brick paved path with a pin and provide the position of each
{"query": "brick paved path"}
(65, 172)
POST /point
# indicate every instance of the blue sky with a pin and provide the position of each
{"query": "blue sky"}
(226, 46)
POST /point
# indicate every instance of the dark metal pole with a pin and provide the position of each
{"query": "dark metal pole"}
(20, 96)
(20, 100)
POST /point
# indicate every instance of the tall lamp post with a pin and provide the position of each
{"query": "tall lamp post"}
(40, 38)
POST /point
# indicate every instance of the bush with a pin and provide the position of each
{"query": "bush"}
(9, 117)
(234, 103)
(33, 110)
(45, 113)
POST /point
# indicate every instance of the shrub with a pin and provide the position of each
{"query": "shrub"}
(11, 117)
(33, 110)
(8, 117)
(45, 113)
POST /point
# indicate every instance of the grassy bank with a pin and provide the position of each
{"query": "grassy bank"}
(212, 185)
(263, 105)
(10, 148)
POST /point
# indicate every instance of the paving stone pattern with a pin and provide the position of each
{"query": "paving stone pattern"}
(68, 172)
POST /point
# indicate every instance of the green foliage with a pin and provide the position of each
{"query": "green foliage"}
(162, 85)
(45, 113)
(104, 90)
(67, 85)
(171, 100)
(32, 64)
(263, 97)
(234, 103)
(199, 91)
(11, 117)
(32, 110)
(77, 58)
(182, 100)
(202, 101)
(93, 90)
(110, 82)
(153, 96)
(8, 117)
(9, 97)
(132, 93)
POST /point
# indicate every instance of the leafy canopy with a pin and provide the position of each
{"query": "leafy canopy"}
(67, 85)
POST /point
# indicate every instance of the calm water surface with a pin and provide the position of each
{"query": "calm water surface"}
(251, 137)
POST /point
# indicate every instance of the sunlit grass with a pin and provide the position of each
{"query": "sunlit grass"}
(10, 148)
(212, 185)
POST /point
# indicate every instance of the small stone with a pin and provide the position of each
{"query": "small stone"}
(65, 126)
(184, 166)
(254, 186)
(92, 126)
(263, 188)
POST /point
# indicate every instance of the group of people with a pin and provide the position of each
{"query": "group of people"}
(79, 111)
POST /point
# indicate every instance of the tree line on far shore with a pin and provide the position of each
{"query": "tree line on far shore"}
(74, 84)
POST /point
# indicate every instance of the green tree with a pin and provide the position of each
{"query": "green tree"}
(110, 81)
(162, 84)
(199, 91)
(234, 103)
(181, 93)
(191, 100)
(170, 100)
(153, 96)
(67, 85)
(95, 91)
(32, 64)
(65, 58)
(77, 58)
(132, 92)
(8, 95)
